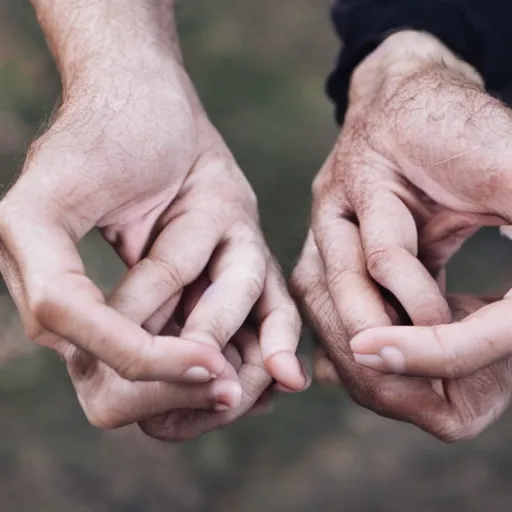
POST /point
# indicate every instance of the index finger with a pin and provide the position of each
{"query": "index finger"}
(390, 241)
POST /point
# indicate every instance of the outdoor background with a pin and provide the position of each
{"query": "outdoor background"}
(260, 67)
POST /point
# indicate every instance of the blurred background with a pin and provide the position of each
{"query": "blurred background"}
(260, 69)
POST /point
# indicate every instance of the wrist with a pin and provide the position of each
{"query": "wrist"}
(88, 39)
(405, 54)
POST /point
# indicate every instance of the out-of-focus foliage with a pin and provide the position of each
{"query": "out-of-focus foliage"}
(259, 67)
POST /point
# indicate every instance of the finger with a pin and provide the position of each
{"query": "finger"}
(111, 402)
(310, 289)
(237, 274)
(444, 235)
(233, 356)
(354, 293)
(168, 318)
(452, 351)
(177, 258)
(63, 301)
(401, 398)
(193, 294)
(156, 323)
(184, 425)
(306, 369)
(280, 328)
(389, 236)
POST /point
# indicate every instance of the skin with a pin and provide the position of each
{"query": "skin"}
(469, 404)
(422, 161)
(130, 151)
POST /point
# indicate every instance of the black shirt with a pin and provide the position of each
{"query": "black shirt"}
(479, 31)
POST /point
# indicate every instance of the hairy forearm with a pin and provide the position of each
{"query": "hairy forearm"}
(91, 36)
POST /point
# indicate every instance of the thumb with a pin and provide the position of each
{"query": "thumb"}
(444, 351)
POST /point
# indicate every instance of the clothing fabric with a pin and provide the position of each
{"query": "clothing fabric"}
(479, 31)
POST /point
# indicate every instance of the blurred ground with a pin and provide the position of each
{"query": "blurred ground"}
(260, 68)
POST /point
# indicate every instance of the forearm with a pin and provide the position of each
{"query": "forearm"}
(93, 36)
(477, 31)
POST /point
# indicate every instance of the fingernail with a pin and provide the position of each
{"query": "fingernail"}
(389, 359)
(220, 407)
(198, 374)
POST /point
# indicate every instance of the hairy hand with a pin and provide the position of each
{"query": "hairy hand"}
(450, 409)
(422, 161)
(135, 156)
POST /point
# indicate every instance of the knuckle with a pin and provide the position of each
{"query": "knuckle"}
(218, 332)
(32, 330)
(253, 284)
(167, 271)
(318, 186)
(361, 396)
(451, 431)
(374, 397)
(336, 276)
(378, 261)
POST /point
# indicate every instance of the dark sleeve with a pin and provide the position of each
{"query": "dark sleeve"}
(479, 31)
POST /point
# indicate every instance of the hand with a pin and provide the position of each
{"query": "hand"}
(451, 409)
(473, 403)
(423, 159)
(176, 412)
(136, 156)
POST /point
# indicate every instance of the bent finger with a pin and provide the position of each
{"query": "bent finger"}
(389, 236)
(354, 293)
(186, 424)
(237, 277)
(401, 398)
(280, 329)
(178, 256)
(111, 402)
